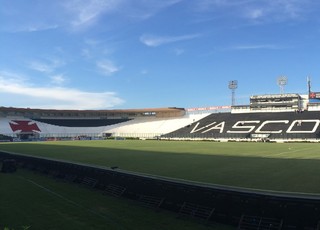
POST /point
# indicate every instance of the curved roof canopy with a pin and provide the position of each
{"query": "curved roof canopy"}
(170, 111)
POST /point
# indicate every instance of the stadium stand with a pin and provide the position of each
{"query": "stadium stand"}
(151, 201)
(267, 117)
(82, 122)
(259, 223)
(89, 182)
(27, 124)
(196, 211)
(114, 190)
(231, 126)
(148, 127)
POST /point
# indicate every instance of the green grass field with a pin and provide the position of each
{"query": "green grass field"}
(290, 167)
(36, 201)
(29, 199)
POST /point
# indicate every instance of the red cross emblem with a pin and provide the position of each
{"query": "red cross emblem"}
(312, 95)
(24, 126)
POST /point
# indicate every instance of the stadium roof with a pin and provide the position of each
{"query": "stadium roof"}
(171, 110)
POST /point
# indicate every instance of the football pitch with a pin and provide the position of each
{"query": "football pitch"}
(35, 202)
(289, 167)
(32, 200)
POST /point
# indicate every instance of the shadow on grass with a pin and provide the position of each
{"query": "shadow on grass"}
(29, 199)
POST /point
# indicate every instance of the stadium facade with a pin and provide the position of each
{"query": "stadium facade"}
(270, 117)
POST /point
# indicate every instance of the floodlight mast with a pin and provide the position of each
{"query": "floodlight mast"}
(233, 85)
(282, 82)
(309, 85)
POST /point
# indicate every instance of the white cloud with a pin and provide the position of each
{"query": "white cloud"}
(144, 9)
(76, 14)
(54, 97)
(154, 41)
(58, 79)
(94, 48)
(107, 67)
(34, 27)
(86, 12)
(48, 66)
(292, 8)
(40, 66)
(263, 10)
(255, 13)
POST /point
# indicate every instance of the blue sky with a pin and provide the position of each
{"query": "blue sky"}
(121, 54)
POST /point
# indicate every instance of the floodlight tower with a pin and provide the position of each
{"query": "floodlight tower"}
(233, 85)
(309, 85)
(282, 81)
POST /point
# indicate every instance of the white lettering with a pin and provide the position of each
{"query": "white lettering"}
(219, 126)
(241, 125)
(300, 122)
(194, 130)
(249, 126)
(271, 122)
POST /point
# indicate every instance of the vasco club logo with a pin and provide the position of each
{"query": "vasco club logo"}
(24, 126)
(257, 127)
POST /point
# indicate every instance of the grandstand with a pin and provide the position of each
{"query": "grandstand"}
(267, 117)
(248, 126)
(30, 124)
(272, 117)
